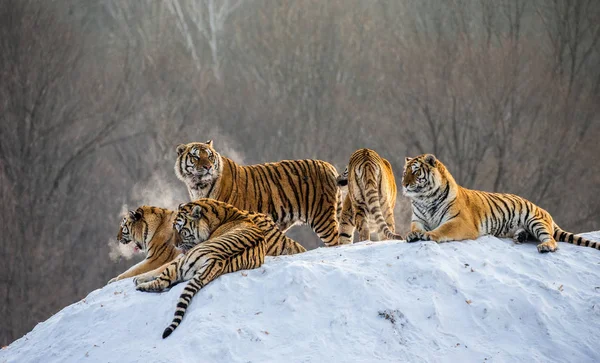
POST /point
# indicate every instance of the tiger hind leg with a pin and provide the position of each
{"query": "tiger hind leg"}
(347, 222)
(384, 219)
(326, 225)
(362, 224)
(285, 226)
(541, 227)
(520, 236)
(292, 248)
(389, 220)
(549, 245)
(545, 235)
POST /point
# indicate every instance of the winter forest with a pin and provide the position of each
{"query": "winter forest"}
(96, 95)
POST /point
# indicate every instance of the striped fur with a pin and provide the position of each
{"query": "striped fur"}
(290, 191)
(444, 211)
(151, 229)
(369, 204)
(220, 239)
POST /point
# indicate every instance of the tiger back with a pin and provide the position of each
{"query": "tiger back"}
(369, 204)
(445, 211)
(220, 239)
(291, 192)
(151, 230)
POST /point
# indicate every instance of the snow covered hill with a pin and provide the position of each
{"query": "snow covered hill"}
(476, 301)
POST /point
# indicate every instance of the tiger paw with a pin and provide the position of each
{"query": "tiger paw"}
(111, 280)
(416, 236)
(152, 286)
(520, 236)
(140, 279)
(549, 246)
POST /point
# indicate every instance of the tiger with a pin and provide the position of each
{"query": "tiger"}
(291, 191)
(445, 211)
(369, 203)
(219, 239)
(151, 230)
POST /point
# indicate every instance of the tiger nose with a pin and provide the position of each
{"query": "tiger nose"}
(207, 167)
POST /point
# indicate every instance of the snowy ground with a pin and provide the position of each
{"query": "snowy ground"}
(477, 301)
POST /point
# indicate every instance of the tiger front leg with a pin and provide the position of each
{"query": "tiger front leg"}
(161, 283)
(415, 236)
(135, 270)
(154, 274)
(454, 230)
(417, 232)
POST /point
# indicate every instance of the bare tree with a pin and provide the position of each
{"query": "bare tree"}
(207, 19)
(95, 97)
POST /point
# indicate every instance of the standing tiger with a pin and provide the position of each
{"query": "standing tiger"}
(221, 239)
(369, 204)
(151, 230)
(290, 191)
(445, 211)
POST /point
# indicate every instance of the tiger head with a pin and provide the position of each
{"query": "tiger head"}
(342, 180)
(139, 226)
(194, 223)
(198, 164)
(422, 175)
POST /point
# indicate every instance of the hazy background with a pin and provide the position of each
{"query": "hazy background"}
(95, 95)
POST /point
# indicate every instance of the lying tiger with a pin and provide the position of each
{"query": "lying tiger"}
(151, 230)
(445, 211)
(290, 191)
(369, 204)
(220, 239)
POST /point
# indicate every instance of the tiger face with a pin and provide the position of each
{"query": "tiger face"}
(133, 229)
(198, 163)
(420, 175)
(193, 224)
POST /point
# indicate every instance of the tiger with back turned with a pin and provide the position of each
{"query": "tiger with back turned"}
(220, 239)
(369, 204)
(151, 231)
(290, 191)
(445, 211)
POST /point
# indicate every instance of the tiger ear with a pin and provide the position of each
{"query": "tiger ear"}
(196, 212)
(135, 215)
(209, 143)
(407, 159)
(180, 206)
(180, 149)
(430, 159)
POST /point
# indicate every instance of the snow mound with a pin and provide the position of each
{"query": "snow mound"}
(482, 300)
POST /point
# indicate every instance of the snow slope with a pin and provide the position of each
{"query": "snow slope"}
(476, 301)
